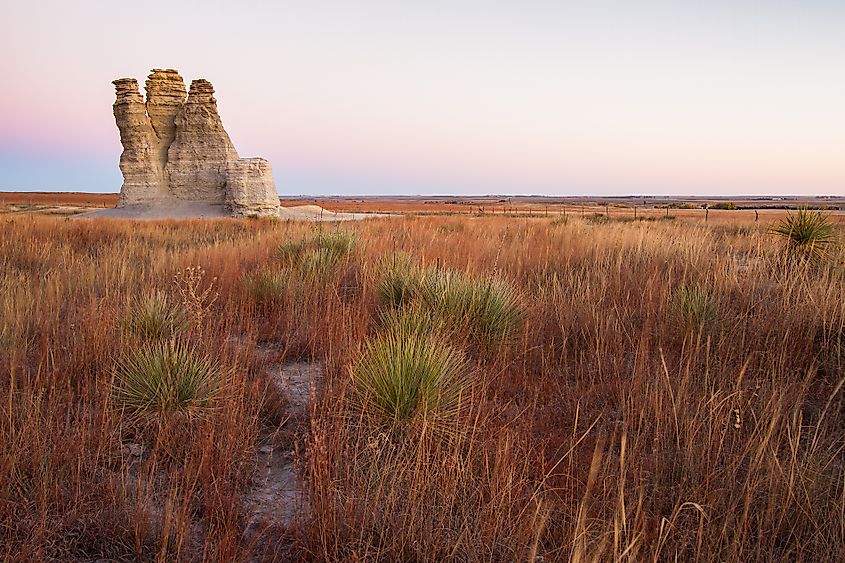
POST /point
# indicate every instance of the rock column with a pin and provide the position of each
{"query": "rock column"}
(250, 189)
(141, 182)
(199, 156)
(165, 97)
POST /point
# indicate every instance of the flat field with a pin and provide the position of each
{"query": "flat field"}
(469, 386)
(738, 209)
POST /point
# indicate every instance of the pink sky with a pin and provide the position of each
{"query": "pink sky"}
(448, 97)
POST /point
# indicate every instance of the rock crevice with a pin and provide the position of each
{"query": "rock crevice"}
(176, 149)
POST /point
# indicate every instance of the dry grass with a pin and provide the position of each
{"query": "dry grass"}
(599, 432)
(59, 198)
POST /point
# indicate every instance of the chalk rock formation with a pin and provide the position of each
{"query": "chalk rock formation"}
(247, 190)
(175, 149)
(137, 163)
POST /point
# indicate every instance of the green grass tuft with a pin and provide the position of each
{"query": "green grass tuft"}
(268, 286)
(290, 250)
(319, 263)
(399, 283)
(154, 316)
(319, 256)
(406, 373)
(496, 312)
(340, 243)
(165, 377)
(489, 308)
(695, 306)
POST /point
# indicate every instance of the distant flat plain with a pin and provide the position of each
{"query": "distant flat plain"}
(768, 208)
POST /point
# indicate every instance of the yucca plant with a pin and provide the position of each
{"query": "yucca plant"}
(400, 281)
(268, 286)
(695, 307)
(165, 377)
(809, 235)
(417, 319)
(290, 250)
(496, 312)
(317, 257)
(155, 316)
(489, 308)
(447, 291)
(319, 263)
(406, 373)
(340, 243)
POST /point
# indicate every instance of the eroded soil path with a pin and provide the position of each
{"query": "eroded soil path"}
(277, 497)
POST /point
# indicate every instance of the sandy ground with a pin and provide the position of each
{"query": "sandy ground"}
(211, 211)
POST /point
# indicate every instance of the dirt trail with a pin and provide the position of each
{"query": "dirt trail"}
(277, 496)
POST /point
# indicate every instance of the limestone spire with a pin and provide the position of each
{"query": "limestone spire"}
(175, 148)
(141, 182)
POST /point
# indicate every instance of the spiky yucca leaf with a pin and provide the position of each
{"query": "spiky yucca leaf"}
(809, 235)
(417, 319)
(154, 316)
(695, 307)
(290, 250)
(317, 257)
(489, 308)
(400, 281)
(406, 373)
(496, 312)
(319, 263)
(268, 286)
(340, 243)
(165, 377)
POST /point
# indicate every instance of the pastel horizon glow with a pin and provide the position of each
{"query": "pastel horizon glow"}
(462, 97)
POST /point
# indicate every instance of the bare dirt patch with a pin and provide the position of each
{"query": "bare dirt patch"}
(278, 496)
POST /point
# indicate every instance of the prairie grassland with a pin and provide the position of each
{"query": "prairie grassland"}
(669, 390)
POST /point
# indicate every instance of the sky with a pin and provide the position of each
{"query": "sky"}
(378, 97)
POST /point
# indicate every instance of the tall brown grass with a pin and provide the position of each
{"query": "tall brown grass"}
(601, 431)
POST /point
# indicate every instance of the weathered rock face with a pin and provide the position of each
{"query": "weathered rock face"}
(137, 163)
(250, 187)
(165, 97)
(198, 158)
(175, 148)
